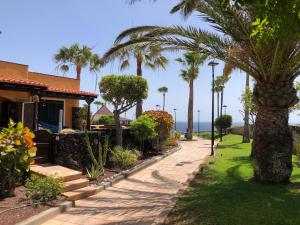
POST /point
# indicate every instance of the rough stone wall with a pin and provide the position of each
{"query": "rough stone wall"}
(296, 138)
(240, 130)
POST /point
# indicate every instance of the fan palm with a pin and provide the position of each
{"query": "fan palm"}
(73, 56)
(191, 62)
(163, 90)
(273, 64)
(149, 56)
(95, 66)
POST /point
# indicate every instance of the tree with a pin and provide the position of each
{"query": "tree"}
(76, 56)
(223, 122)
(191, 62)
(163, 90)
(123, 92)
(272, 60)
(143, 128)
(95, 67)
(149, 56)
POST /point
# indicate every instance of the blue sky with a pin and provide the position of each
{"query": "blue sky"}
(33, 31)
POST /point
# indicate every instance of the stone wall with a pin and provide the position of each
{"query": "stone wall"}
(296, 139)
(240, 130)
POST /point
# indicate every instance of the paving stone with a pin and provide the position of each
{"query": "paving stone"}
(146, 196)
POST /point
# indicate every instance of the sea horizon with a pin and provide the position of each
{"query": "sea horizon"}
(203, 126)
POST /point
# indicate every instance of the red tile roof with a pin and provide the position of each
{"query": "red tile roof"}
(19, 81)
(71, 91)
(50, 89)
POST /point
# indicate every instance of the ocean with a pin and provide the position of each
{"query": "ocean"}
(203, 126)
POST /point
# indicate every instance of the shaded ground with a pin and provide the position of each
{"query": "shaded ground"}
(225, 194)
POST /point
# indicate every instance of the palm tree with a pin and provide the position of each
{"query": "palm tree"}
(95, 66)
(149, 56)
(74, 56)
(163, 90)
(273, 63)
(191, 62)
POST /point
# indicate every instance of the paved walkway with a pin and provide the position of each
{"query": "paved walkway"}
(144, 198)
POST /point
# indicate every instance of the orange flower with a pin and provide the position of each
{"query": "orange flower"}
(28, 141)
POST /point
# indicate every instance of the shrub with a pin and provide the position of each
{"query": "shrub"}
(106, 120)
(223, 122)
(164, 123)
(177, 134)
(97, 168)
(43, 189)
(124, 158)
(16, 148)
(143, 128)
(171, 142)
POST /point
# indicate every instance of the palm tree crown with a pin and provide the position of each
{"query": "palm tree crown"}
(76, 56)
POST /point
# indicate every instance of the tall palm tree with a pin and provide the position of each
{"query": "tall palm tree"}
(95, 67)
(149, 56)
(163, 90)
(191, 62)
(73, 56)
(273, 63)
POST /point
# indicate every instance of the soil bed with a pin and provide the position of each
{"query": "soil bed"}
(17, 215)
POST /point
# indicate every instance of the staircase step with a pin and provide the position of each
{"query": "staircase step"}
(47, 170)
(40, 159)
(76, 184)
(80, 193)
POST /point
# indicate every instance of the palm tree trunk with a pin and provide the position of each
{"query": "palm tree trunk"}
(164, 101)
(119, 131)
(246, 134)
(272, 141)
(78, 72)
(139, 104)
(190, 110)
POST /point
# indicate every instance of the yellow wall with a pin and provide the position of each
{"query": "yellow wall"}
(13, 70)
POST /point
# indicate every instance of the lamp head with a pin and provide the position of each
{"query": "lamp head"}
(213, 63)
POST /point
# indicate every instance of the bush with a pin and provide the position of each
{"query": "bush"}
(171, 142)
(177, 135)
(143, 128)
(43, 189)
(124, 158)
(223, 122)
(106, 120)
(16, 149)
(164, 123)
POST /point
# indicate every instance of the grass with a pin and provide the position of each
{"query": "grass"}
(225, 194)
(206, 134)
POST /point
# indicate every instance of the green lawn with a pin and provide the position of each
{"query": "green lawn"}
(225, 194)
(206, 134)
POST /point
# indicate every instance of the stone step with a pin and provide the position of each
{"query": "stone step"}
(80, 193)
(47, 170)
(76, 184)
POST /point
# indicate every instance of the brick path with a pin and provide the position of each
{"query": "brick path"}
(144, 198)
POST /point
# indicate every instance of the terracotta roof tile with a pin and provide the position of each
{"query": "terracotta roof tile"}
(51, 89)
(19, 81)
(71, 91)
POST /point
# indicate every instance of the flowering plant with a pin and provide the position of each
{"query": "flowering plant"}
(164, 122)
(16, 149)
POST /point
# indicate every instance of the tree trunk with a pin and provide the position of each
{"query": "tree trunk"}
(78, 72)
(190, 111)
(221, 112)
(272, 141)
(139, 104)
(246, 134)
(119, 131)
(164, 101)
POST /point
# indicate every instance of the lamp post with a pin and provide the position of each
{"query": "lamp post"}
(157, 107)
(221, 113)
(225, 107)
(198, 122)
(213, 64)
(175, 119)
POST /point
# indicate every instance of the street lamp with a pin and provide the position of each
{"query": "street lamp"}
(198, 122)
(157, 107)
(221, 113)
(175, 118)
(213, 64)
(225, 107)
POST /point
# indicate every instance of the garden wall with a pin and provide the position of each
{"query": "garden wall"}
(296, 139)
(240, 130)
